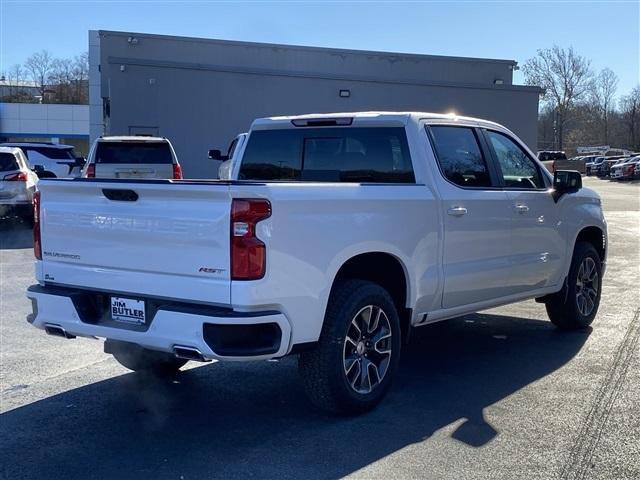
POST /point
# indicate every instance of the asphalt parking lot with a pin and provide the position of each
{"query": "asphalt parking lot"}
(499, 394)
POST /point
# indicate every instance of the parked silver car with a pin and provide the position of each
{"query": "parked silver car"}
(17, 184)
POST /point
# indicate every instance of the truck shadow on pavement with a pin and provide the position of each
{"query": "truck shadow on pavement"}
(15, 234)
(239, 420)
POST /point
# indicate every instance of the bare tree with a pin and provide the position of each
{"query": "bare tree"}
(40, 66)
(61, 80)
(81, 66)
(16, 90)
(81, 77)
(16, 77)
(603, 90)
(565, 77)
(630, 114)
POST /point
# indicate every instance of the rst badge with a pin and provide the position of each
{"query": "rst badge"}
(127, 310)
(210, 270)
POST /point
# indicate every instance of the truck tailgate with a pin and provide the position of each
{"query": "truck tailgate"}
(161, 239)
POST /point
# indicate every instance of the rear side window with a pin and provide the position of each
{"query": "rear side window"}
(38, 154)
(460, 157)
(353, 154)
(8, 162)
(518, 169)
(133, 152)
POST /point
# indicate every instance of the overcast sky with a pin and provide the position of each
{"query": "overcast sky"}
(605, 32)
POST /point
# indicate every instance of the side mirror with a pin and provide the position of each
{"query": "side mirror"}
(80, 162)
(566, 181)
(217, 155)
(38, 169)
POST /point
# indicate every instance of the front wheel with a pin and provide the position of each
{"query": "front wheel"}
(350, 370)
(576, 305)
(140, 359)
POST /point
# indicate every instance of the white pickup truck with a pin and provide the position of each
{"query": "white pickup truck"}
(339, 234)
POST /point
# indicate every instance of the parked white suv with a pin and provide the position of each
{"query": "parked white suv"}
(132, 157)
(342, 233)
(50, 160)
(17, 184)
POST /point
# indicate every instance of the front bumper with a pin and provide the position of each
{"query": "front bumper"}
(210, 330)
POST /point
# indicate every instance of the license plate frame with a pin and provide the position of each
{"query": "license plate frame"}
(130, 311)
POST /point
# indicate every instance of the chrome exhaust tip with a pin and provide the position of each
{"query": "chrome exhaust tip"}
(189, 353)
(57, 331)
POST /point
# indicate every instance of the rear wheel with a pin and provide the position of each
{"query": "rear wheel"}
(576, 305)
(350, 370)
(140, 359)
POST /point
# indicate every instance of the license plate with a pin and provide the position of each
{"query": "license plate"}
(127, 310)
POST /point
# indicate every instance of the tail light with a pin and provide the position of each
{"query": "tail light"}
(37, 239)
(248, 252)
(16, 177)
(91, 171)
(177, 171)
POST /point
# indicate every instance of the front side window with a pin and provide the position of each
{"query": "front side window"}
(460, 157)
(347, 154)
(518, 169)
(38, 153)
(232, 148)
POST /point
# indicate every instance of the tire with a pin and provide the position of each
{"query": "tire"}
(140, 359)
(576, 305)
(332, 373)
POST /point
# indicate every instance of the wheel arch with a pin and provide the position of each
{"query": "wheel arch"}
(595, 236)
(386, 270)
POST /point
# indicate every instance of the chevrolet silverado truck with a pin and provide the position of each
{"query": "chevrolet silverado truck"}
(338, 235)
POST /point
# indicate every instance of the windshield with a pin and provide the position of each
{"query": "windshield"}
(133, 152)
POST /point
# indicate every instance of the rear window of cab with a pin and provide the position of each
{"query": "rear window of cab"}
(347, 154)
(133, 152)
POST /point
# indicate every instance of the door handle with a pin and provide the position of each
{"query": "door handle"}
(522, 208)
(457, 211)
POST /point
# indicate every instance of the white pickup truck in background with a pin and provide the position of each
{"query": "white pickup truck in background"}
(341, 233)
(234, 153)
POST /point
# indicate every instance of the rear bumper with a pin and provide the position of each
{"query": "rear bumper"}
(220, 334)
